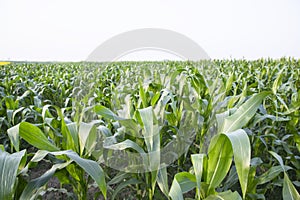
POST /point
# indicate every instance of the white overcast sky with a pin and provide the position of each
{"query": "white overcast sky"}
(69, 30)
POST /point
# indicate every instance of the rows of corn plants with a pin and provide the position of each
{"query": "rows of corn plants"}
(220, 129)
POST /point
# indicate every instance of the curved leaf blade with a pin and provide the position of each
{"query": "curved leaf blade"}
(243, 114)
(197, 160)
(31, 134)
(124, 145)
(225, 195)
(92, 168)
(289, 191)
(219, 161)
(31, 190)
(242, 155)
(182, 183)
(85, 132)
(162, 180)
(106, 113)
(9, 164)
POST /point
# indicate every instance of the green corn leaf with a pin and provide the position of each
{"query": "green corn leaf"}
(197, 160)
(147, 119)
(154, 174)
(90, 167)
(142, 95)
(182, 183)
(229, 82)
(31, 134)
(219, 161)
(87, 135)
(120, 177)
(175, 191)
(106, 113)
(9, 164)
(243, 114)
(277, 81)
(162, 181)
(278, 158)
(14, 136)
(155, 98)
(242, 154)
(151, 137)
(227, 195)
(138, 160)
(68, 142)
(124, 145)
(289, 191)
(73, 130)
(272, 173)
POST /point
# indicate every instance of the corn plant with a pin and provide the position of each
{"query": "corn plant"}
(72, 161)
(231, 141)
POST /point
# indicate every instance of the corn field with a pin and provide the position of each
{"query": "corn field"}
(219, 129)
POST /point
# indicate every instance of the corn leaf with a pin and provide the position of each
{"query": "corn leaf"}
(162, 181)
(219, 161)
(197, 160)
(227, 195)
(272, 173)
(9, 164)
(87, 137)
(90, 167)
(242, 154)
(289, 192)
(243, 114)
(31, 134)
(182, 183)
(106, 113)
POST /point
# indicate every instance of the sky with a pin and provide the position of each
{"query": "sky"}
(69, 30)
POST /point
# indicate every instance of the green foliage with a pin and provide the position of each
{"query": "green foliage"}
(9, 166)
(218, 120)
